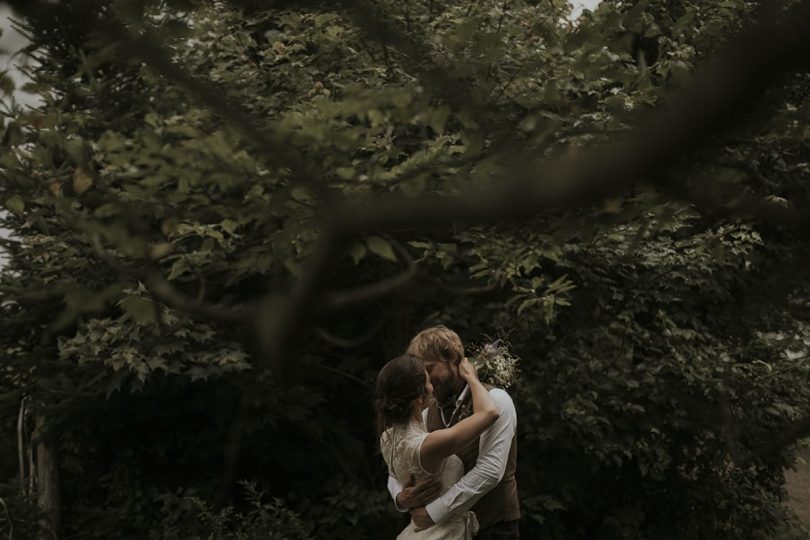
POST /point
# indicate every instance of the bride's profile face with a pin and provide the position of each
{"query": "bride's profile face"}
(428, 388)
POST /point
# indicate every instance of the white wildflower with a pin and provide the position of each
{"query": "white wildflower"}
(495, 364)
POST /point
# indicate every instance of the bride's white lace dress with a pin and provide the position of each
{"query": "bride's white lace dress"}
(400, 447)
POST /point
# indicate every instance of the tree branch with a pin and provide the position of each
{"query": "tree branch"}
(339, 300)
(715, 103)
(453, 289)
(164, 291)
(351, 343)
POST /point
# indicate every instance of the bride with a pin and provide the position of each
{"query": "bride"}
(402, 390)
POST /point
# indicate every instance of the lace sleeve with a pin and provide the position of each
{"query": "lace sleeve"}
(401, 452)
(386, 444)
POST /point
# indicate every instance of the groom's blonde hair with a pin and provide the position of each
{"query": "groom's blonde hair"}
(437, 343)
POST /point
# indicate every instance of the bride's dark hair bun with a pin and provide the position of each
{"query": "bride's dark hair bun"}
(394, 407)
(399, 383)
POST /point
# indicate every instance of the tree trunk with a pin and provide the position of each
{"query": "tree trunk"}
(48, 496)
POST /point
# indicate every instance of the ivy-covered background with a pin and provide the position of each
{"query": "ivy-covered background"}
(188, 349)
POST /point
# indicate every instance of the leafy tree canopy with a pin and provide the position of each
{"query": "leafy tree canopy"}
(181, 307)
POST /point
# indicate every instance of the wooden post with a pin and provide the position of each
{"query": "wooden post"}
(21, 445)
(48, 493)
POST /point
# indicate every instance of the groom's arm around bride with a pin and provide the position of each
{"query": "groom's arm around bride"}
(493, 468)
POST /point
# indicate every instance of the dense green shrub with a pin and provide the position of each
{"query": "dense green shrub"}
(187, 518)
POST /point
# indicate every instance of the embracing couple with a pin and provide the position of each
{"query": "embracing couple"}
(455, 474)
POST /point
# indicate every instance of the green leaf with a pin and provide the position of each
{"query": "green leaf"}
(75, 149)
(381, 247)
(15, 205)
(140, 309)
(82, 181)
(6, 84)
(345, 173)
(357, 252)
(438, 118)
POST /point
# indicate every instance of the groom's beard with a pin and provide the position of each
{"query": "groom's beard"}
(448, 402)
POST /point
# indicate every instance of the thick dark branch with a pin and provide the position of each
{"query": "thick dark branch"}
(282, 316)
(348, 343)
(161, 289)
(716, 102)
(339, 300)
(455, 289)
(711, 201)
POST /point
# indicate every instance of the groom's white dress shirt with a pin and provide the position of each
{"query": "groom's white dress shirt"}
(493, 452)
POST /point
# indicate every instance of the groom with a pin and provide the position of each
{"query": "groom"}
(488, 486)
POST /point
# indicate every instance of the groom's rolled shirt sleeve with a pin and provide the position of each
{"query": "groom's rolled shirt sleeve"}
(493, 454)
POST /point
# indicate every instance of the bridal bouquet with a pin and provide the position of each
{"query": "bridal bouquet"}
(495, 364)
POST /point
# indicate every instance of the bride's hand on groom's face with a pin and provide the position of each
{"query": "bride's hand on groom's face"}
(415, 494)
(466, 370)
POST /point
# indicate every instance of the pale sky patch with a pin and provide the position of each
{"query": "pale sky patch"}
(10, 42)
(580, 5)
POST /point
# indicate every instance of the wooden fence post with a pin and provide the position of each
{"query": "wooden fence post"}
(48, 493)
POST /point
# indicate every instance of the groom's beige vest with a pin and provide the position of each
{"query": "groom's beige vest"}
(500, 504)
